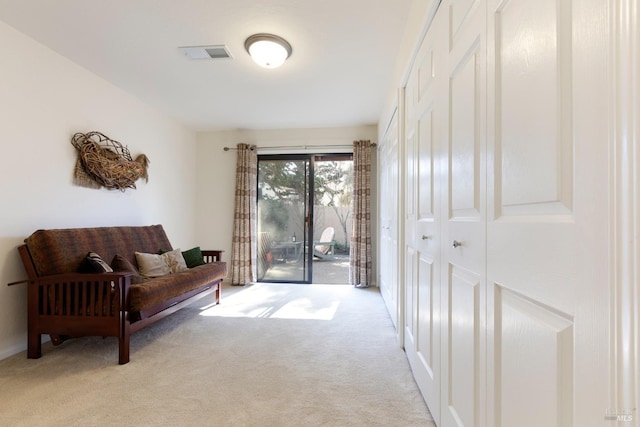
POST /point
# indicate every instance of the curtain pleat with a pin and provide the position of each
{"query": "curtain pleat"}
(360, 255)
(243, 249)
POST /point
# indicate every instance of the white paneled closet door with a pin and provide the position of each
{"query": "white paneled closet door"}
(464, 205)
(548, 226)
(510, 160)
(389, 211)
(424, 132)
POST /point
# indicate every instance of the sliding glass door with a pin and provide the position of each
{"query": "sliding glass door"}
(304, 218)
(285, 189)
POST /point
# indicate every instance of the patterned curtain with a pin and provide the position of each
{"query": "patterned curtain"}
(244, 248)
(360, 257)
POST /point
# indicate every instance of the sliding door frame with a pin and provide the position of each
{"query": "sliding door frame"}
(308, 214)
(309, 205)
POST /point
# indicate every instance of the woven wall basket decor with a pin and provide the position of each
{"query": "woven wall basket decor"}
(103, 162)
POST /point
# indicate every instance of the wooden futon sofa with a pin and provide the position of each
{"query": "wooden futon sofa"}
(65, 303)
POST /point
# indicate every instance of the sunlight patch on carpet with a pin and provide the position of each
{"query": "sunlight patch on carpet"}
(275, 302)
(306, 309)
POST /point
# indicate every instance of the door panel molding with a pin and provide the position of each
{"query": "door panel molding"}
(425, 162)
(463, 352)
(426, 74)
(461, 12)
(465, 135)
(410, 296)
(426, 345)
(526, 136)
(532, 340)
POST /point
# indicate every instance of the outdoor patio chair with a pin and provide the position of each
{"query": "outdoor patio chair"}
(324, 248)
(265, 257)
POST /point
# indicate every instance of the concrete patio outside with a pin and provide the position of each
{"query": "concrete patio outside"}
(333, 271)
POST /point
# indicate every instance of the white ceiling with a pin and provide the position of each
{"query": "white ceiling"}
(340, 72)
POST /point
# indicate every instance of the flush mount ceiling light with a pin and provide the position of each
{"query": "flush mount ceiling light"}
(268, 50)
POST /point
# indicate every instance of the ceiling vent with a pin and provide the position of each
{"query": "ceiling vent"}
(206, 52)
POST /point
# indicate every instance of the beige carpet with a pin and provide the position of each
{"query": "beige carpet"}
(270, 355)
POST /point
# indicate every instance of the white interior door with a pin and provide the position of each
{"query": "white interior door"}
(426, 118)
(464, 204)
(507, 214)
(547, 268)
(389, 211)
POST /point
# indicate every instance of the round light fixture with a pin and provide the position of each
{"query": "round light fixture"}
(268, 50)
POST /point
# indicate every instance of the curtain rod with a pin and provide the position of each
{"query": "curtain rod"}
(297, 147)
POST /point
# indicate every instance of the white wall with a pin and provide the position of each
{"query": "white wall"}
(44, 100)
(216, 172)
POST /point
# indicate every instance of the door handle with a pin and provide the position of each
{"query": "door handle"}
(455, 244)
(425, 237)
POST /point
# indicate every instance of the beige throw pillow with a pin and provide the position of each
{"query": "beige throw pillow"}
(176, 261)
(153, 265)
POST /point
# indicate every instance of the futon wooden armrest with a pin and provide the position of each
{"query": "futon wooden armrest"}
(84, 277)
(117, 279)
(212, 255)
